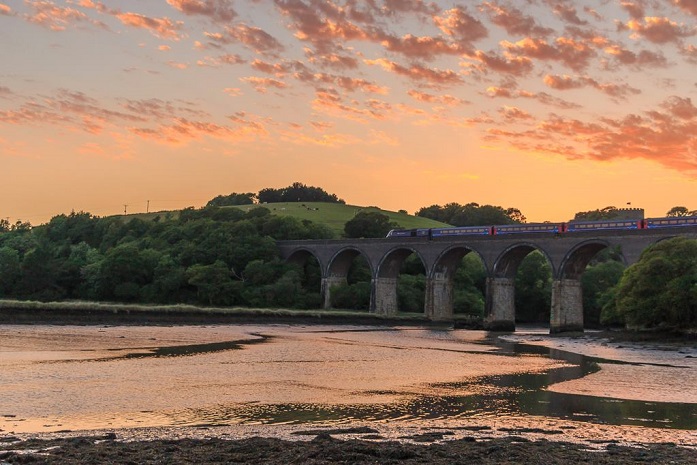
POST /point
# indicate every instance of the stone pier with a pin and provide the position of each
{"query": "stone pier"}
(567, 306)
(384, 298)
(327, 284)
(439, 298)
(500, 304)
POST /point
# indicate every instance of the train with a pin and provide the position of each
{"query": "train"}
(545, 228)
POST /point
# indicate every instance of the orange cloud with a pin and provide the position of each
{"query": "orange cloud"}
(334, 59)
(680, 107)
(163, 28)
(331, 102)
(181, 131)
(461, 26)
(665, 137)
(512, 114)
(5, 10)
(515, 66)
(261, 85)
(177, 65)
(345, 82)
(323, 24)
(568, 14)
(514, 21)
(643, 59)
(448, 100)
(53, 17)
(217, 10)
(410, 6)
(688, 5)
(69, 109)
(421, 47)
(253, 37)
(226, 59)
(690, 53)
(418, 72)
(564, 82)
(657, 30)
(276, 69)
(511, 92)
(574, 54)
(635, 9)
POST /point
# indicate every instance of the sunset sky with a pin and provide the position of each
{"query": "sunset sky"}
(549, 106)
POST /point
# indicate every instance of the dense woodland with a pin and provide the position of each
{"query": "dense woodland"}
(225, 256)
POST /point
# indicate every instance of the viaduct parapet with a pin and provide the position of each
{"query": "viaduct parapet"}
(568, 255)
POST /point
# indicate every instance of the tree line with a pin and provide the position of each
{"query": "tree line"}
(208, 256)
(296, 192)
(227, 256)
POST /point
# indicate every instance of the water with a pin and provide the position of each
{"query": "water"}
(58, 378)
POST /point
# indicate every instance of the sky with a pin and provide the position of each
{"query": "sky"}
(549, 106)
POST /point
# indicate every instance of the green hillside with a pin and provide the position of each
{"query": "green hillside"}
(335, 215)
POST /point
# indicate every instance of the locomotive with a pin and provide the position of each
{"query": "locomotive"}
(546, 228)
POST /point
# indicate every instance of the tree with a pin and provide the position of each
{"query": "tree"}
(660, 290)
(598, 282)
(297, 192)
(73, 229)
(38, 275)
(472, 214)
(681, 211)
(533, 289)
(9, 270)
(124, 270)
(213, 282)
(247, 198)
(468, 286)
(368, 224)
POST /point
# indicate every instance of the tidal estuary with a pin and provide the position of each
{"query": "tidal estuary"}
(274, 380)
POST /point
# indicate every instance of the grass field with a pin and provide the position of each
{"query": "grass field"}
(334, 215)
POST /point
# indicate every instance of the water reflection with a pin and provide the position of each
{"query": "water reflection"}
(114, 377)
(512, 394)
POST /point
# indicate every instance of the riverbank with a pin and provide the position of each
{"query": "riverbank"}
(90, 313)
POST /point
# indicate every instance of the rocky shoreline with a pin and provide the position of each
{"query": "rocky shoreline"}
(322, 447)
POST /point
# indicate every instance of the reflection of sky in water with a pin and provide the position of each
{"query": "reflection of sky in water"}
(57, 378)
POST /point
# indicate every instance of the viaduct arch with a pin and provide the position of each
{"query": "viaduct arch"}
(568, 255)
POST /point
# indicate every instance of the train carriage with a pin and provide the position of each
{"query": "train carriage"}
(548, 228)
(651, 223)
(528, 228)
(577, 226)
(461, 231)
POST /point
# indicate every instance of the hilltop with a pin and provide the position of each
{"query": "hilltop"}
(333, 215)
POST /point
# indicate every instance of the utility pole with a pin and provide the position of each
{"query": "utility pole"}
(147, 209)
(124, 208)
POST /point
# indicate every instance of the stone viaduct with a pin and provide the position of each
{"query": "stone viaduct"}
(567, 253)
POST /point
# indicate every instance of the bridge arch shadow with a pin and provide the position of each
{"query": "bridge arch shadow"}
(442, 288)
(347, 280)
(310, 267)
(501, 284)
(385, 298)
(577, 258)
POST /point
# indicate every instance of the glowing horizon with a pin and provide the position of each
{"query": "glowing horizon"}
(551, 106)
